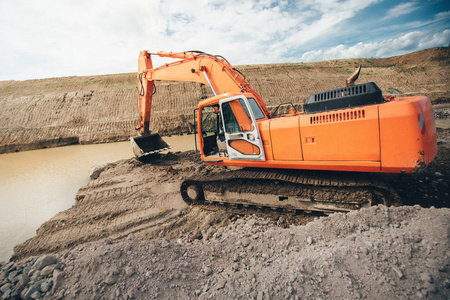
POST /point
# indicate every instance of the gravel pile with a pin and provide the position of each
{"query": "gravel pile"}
(374, 253)
(31, 278)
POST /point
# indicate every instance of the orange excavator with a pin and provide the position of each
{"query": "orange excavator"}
(291, 161)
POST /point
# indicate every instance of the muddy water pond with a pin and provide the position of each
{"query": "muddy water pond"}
(36, 185)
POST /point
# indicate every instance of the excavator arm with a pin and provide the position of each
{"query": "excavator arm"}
(195, 66)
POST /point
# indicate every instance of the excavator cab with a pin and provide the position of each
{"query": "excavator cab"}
(229, 128)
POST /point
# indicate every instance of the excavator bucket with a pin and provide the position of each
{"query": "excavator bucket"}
(148, 144)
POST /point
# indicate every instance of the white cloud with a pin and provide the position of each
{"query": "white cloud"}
(61, 38)
(413, 41)
(401, 9)
(445, 15)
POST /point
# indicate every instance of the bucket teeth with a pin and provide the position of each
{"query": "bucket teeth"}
(148, 144)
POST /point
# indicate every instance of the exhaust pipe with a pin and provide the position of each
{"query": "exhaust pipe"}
(351, 80)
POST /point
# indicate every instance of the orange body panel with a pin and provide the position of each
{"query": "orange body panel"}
(408, 134)
(348, 134)
(391, 137)
(285, 138)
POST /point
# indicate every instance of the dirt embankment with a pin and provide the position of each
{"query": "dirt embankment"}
(95, 109)
(379, 252)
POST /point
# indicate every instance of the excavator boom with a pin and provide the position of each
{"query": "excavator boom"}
(193, 66)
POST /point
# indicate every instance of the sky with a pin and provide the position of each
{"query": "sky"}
(46, 39)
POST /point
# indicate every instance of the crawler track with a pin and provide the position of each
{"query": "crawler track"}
(290, 190)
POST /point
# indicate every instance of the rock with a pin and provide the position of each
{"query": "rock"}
(165, 243)
(129, 271)
(260, 296)
(12, 275)
(447, 283)
(221, 283)
(110, 279)
(35, 295)
(115, 270)
(432, 264)
(35, 275)
(46, 286)
(96, 171)
(207, 270)
(57, 279)
(309, 240)
(431, 288)
(44, 261)
(9, 266)
(22, 294)
(133, 293)
(33, 289)
(60, 294)
(21, 284)
(245, 242)
(117, 254)
(425, 277)
(152, 249)
(6, 295)
(5, 287)
(48, 270)
(398, 272)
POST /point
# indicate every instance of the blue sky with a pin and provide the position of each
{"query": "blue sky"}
(42, 39)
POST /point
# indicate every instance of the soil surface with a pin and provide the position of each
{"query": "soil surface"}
(374, 253)
(96, 109)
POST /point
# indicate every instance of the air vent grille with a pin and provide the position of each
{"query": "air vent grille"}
(338, 117)
(346, 97)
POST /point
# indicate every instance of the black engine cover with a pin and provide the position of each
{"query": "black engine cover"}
(346, 97)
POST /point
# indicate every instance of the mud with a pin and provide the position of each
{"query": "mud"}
(99, 109)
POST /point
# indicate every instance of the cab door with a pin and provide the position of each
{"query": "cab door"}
(240, 129)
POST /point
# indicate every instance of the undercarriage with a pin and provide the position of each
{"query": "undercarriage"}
(290, 190)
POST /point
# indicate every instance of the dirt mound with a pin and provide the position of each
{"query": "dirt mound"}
(419, 58)
(373, 253)
(98, 109)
